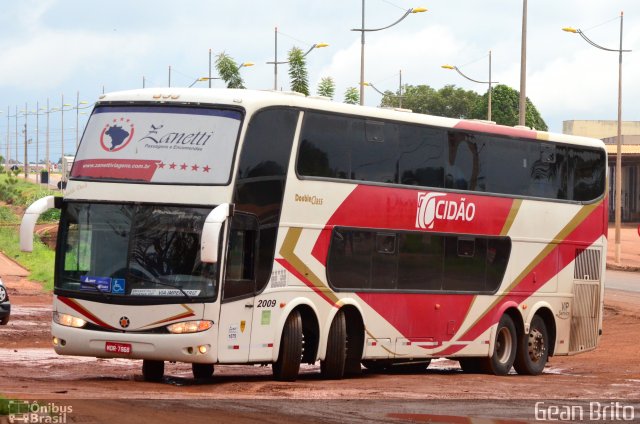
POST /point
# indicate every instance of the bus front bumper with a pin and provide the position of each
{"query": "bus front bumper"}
(193, 347)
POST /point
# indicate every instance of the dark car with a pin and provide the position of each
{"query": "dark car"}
(5, 306)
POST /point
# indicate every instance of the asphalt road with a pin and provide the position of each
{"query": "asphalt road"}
(622, 280)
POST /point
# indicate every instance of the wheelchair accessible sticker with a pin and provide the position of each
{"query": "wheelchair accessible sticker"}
(118, 286)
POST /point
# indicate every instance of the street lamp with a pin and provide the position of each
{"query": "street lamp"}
(455, 68)
(245, 65)
(275, 62)
(203, 79)
(618, 182)
(362, 31)
(399, 96)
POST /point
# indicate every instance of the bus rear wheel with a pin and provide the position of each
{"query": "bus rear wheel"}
(287, 366)
(334, 362)
(533, 349)
(152, 370)
(202, 371)
(504, 352)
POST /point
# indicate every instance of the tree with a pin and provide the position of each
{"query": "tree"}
(505, 106)
(448, 101)
(298, 71)
(326, 87)
(229, 71)
(352, 96)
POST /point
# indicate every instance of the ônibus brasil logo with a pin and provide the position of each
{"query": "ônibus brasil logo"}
(435, 206)
(119, 133)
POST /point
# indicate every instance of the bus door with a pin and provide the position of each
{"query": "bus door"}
(236, 311)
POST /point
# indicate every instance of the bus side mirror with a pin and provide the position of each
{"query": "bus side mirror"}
(210, 242)
(28, 224)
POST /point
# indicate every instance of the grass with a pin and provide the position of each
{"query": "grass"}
(40, 262)
(28, 191)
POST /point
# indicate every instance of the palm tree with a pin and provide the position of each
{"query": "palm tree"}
(326, 87)
(229, 71)
(352, 96)
(298, 71)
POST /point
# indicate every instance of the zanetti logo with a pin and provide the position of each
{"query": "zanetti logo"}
(434, 207)
(118, 134)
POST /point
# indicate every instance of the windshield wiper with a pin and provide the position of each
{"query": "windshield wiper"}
(160, 283)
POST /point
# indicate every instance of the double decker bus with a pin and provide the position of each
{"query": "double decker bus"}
(214, 227)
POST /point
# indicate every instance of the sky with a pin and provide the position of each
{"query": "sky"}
(56, 48)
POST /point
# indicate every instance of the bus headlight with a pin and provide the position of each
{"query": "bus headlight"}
(68, 320)
(189, 327)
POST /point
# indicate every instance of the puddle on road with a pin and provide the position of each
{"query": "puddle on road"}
(48, 357)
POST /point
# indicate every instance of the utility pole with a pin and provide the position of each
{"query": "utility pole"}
(47, 149)
(26, 162)
(37, 141)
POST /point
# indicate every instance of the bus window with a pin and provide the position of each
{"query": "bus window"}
(241, 259)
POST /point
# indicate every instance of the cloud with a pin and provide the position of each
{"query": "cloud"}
(52, 58)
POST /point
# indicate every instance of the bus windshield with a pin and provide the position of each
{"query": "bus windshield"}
(141, 251)
(158, 144)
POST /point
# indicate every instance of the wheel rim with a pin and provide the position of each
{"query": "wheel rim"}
(504, 344)
(537, 345)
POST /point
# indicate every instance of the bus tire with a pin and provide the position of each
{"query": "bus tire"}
(202, 371)
(287, 366)
(332, 367)
(152, 370)
(533, 349)
(504, 352)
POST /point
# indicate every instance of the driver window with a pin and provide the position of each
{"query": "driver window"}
(241, 257)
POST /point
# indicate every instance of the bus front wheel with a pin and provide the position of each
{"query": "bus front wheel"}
(533, 349)
(287, 366)
(504, 352)
(152, 370)
(334, 362)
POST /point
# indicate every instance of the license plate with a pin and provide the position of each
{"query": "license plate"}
(119, 348)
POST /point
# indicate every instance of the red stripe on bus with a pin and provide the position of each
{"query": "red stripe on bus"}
(73, 304)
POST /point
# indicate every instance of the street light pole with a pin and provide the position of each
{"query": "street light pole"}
(489, 105)
(618, 206)
(275, 62)
(362, 58)
(455, 68)
(522, 109)
(362, 30)
(618, 178)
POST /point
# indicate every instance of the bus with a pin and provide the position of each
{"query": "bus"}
(215, 226)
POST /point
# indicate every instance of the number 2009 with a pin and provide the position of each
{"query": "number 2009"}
(267, 303)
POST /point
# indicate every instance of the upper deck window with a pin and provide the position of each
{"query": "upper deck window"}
(159, 144)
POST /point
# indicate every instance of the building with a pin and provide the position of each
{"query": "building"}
(607, 131)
